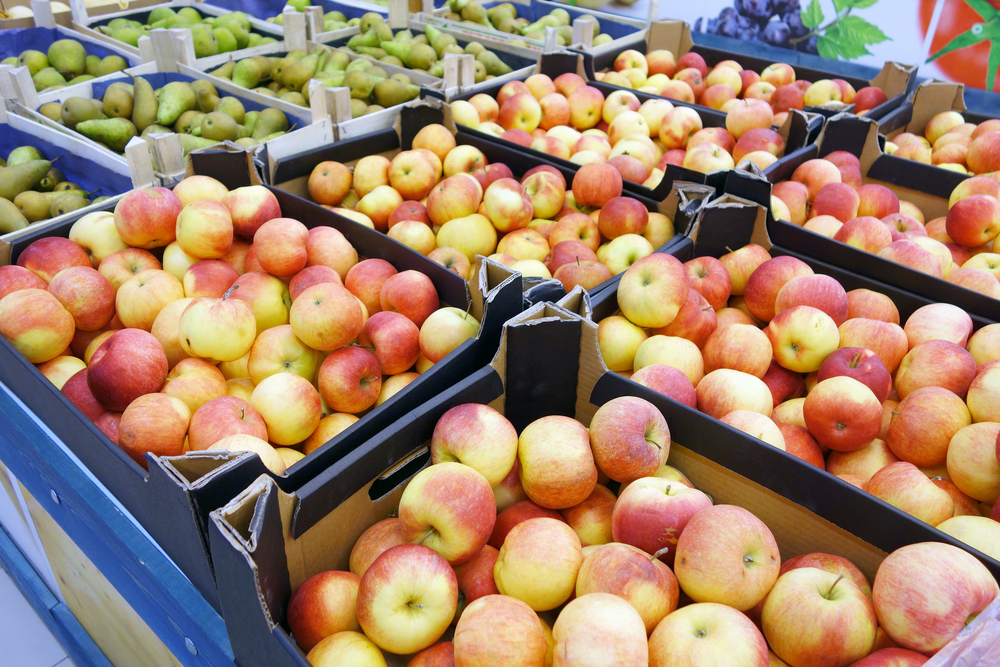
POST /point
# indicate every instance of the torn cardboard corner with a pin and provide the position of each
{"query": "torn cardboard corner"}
(670, 34)
(929, 99)
(726, 223)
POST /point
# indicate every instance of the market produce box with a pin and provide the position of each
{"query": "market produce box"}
(608, 33)
(99, 176)
(896, 80)
(20, 14)
(126, 36)
(548, 364)
(946, 100)
(17, 42)
(796, 131)
(171, 496)
(927, 187)
(299, 120)
(680, 206)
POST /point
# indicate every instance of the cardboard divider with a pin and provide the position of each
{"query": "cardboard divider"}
(797, 130)
(926, 186)
(895, 79)
(261, 560)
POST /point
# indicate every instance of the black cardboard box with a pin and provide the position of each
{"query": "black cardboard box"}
(926, 186)
(895, 79)
(799, 130)
(548, 363)
(172, 500)
(681, 203)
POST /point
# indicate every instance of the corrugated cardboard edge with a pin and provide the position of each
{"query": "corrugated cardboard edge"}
(931, 98)
(228, 147)
(759, 235)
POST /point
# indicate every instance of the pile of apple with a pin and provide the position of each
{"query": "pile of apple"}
(505, 532)
(581, 236)
(951, 143)
(688, 79)
(253, 333)
(910, 414)
(568, 119)
(826, 196)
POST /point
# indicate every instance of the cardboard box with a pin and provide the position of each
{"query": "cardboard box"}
(172, 500)
(797, 130)
(926, 186)
(94, 171)
(548, 364)
(896, 79)
(291, 174)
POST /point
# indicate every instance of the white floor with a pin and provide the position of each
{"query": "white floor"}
(24, 639)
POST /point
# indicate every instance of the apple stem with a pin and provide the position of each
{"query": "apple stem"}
(230, 291)
(834, 585)
(467, 309)
(667, 490)
(577, 260)
(728, 249)
(661, 552)
(855, 360)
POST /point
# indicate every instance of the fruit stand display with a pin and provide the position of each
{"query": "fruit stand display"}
(689, 64)
(539, 536)
(556, 99)
(73, 57)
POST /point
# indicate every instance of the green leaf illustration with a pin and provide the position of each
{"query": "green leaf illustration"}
(813, 15)
(860, 4)
(859, 30)
(845, 46)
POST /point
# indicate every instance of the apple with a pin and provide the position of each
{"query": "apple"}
(289, 405)
(757, 426)
(905, 487)
(497, 629)
(322, 605)
(407, 598)
(155, 424)
(652, 513)
(936, 363)
(652, 290)
(208, 277)
(250, 207)
(842, 413)
(596, 184)
(924, 424)
(600, 629)
(475, 576)
(221, 329)
(556, 439)
(707, 633)
(970, 465)
(865, 303)
(78, 392)
(891, 657)
(741, 347)
(221, 417)
(129, 364)
(783, 383)
(329, 427)
(350, 379)
(861, 364)
(51, 254)
(724, 390)
(833, 607)
(814, 174)
(345, 649)
(96, 234)
(668, 381)
(326, 317)
(765, 282)
(477, 436)
(538, 563)
(515, 513)
(695, 321)
(629, 438)
(267, 297)
(886, 339)
(146, 217)
(375, 540)
(741, 264)
(14, 278)
(738, 570)
(925, 593)
(802, 337)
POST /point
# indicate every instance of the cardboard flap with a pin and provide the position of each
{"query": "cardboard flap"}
(561, 63)
(191, 469)
(230, 163)
(895, 78)
(578, 302)
(854, 134)
(729, 223)
(672, 35)
(493, 282)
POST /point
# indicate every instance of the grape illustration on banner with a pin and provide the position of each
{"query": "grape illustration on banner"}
(784, 23)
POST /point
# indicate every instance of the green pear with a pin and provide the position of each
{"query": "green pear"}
(46, 78)
(68, 57)
(191, 143)
(226, 40)
(78, 109)
(190, 13)
(219, 126)
(392, 60)
(207, 100)
(562, 15)
(35, 61)
(145, 105)
(399, 76)
(247, 73)
(300, 72)
(11, 219)
(335, 80)
(390, 92)
(510, 26)
(294, 98)
(474, 48)
(249, 119)
(360, 84)
(52, 110)
(203, 84)
(367, 38)
(53, 178)
(493, 64)
(247, 142)
(358, 108)
(383, 32)
(115, 24)
(437, 69)
(370, 20)
(11, 60)
(475, 12)
(226, 71)
(111, 64)
(269, 121)
(205, 43)
(415, 56)
(128, 34)
(93, 65)
(160, 13)
(154, 128)
(337, 62)
(499, 13)
(232, 107)
(263, 90)
(79, 79)
(371, 52)
(67, 202)
(188, 121)
(240, 33)
(359, 65)
(480, 72)
(34, 206)
(118, 100)
(265, 63)
(15, 179)
(175, 98)
(23, 154)
(403, 36)
(603, 38)
(266, 41)
(114, 133)
(453, 48)
(255, 39)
